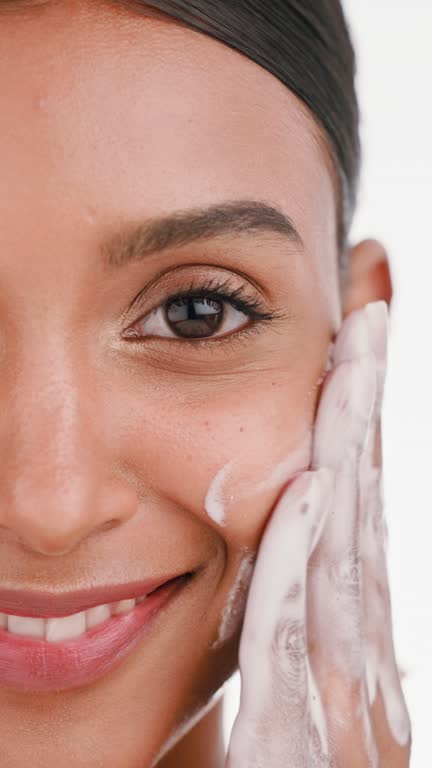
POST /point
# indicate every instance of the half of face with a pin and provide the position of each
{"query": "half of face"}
(145, 432)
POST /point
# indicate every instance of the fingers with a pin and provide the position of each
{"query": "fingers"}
(304, 695)
(340, 435)
(277, 684)
(384, 686)
(347, 397)
(336, 625)
(376, 314)
(393, 729)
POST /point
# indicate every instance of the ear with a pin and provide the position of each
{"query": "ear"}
(370, 278)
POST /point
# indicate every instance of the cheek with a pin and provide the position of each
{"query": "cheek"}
(213, 459)
(239, 501)
(244, 490)
(222, 461)
(249, 453)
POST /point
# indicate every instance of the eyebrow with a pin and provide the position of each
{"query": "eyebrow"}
(136, 241)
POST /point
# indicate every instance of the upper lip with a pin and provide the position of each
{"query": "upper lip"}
(48, 605)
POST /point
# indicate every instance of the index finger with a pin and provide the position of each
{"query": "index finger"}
(275, 675)
(336, 615)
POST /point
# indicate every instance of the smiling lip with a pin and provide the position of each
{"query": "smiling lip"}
(47, 605)
(29, 664)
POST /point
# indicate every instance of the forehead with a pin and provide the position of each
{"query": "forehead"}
(133, 114)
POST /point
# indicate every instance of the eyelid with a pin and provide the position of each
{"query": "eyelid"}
(246, 307)
(184, 279)
(220, 289)
(195, 271)
(198, 283)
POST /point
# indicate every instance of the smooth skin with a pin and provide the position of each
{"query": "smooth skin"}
(109, 448)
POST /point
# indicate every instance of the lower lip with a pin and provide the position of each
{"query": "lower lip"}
(29, 664)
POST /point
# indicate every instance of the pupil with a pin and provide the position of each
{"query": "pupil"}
(193, 317)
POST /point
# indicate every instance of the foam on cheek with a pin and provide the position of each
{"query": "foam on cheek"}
(277, 475)
(235, 605)
(214, 500)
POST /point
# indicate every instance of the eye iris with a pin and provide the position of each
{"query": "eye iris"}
(193, 317)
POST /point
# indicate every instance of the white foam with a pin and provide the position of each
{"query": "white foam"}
(233, 611)
(214, 500)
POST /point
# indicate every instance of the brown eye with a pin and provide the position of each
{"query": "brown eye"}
(215, 309)
(194, 317)
(191, 317)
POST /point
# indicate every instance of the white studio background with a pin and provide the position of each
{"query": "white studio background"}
(393, 41)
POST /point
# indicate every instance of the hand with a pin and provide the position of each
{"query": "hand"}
(319, 681)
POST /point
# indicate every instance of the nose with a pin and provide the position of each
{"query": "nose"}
(59, 484)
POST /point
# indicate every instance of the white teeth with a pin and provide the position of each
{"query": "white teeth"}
(65, 628)
(141, 599)
(97, 615)
(21, 625)
(123, 606)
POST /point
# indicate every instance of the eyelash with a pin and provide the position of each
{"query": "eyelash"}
(215, 289)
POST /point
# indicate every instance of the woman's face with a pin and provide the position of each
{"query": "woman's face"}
(162, 452)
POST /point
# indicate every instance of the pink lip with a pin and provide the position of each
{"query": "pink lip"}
(46, 605)
(37, 665)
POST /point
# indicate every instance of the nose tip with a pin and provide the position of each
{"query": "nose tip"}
(55, 521)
